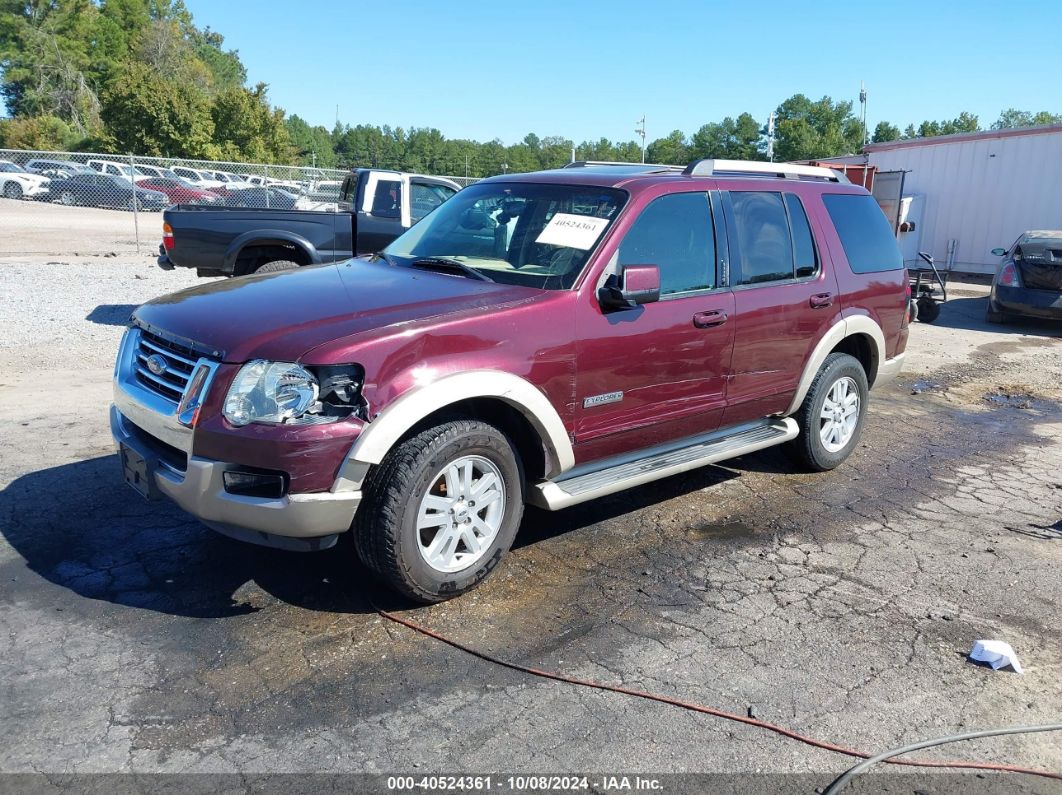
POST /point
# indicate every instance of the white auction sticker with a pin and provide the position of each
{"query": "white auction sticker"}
(574, 231)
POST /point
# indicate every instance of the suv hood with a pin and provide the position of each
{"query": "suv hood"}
(284, 315)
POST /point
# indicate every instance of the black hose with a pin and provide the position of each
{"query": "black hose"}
(842, 780)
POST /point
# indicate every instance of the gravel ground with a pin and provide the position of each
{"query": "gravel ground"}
(841, 605)
(33, 231)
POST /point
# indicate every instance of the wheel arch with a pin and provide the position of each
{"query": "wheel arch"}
(858, 336)
(514, 404)
(305, 252)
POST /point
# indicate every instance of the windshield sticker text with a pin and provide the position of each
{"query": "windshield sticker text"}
(573, 231)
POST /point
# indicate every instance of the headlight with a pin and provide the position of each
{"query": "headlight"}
(270, 392)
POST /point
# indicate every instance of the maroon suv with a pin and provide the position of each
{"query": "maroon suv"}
(544, 338)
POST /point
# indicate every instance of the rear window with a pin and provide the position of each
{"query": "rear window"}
(865, 233)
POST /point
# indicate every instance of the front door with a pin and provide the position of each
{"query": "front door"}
(658, 372)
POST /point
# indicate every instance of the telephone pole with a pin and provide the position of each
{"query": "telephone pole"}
(863, 103)
(640, 130)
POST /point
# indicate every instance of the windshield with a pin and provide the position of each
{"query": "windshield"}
(536, 235)
(10, 167)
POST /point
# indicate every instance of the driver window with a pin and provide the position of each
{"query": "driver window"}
(674, 233)
(387, 200)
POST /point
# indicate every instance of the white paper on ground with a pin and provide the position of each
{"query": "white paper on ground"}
(996, 653)
(574, 231)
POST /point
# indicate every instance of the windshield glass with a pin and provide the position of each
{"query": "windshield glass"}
(535, 235)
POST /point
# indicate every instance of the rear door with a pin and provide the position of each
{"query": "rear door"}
(784, 300)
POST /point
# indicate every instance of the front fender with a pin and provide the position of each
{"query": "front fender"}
(381, 435)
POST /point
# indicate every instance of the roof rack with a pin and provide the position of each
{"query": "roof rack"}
(716, 168)
(587, 163)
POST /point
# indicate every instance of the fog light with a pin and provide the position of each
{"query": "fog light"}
(255, 484)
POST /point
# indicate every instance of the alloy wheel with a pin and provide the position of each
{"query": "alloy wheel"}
(461, 513)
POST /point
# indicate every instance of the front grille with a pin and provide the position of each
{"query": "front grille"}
(180, 363)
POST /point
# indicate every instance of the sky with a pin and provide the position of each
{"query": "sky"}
(485, 69)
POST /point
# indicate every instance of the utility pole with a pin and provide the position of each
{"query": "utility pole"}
(863, 103)
(770, 137)
(640, 130)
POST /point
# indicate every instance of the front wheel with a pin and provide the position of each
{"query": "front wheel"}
(13, 190)
(68, 198)
(831, 416)
(441, 511)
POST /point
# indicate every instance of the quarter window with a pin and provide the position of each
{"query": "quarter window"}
(866, 235)
(803, 245)
(674, 233)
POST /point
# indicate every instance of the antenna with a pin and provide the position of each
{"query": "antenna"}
(640, 130)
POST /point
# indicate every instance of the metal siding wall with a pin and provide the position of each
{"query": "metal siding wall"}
(980, 200)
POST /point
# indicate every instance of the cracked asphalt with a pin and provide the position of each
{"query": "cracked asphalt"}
(840, 605)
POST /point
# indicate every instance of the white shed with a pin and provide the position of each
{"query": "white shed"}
(976, 191)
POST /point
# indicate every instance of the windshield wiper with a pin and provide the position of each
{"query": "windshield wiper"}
(451, 265)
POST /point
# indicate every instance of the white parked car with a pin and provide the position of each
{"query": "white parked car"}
(201, 179)
(17, 183)
(116, 169)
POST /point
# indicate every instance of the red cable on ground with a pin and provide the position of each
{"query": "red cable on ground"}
(839, 749)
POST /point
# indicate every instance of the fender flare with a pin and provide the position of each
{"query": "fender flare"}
(267, 236)
(843, 328)
(380, 435)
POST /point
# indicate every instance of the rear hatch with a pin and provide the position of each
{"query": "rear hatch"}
(1040, 263)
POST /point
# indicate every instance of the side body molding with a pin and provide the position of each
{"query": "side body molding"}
(387, 428)
(845, 327)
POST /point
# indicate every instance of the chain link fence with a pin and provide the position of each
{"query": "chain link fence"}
(137, 185)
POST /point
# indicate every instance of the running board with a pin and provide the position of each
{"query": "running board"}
(581, 485)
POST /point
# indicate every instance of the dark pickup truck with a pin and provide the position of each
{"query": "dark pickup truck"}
(375, 207)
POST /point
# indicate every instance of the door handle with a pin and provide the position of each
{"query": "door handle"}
(709, 319)
(821, 300)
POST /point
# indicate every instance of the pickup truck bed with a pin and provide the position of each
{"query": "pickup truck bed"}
(375, 207)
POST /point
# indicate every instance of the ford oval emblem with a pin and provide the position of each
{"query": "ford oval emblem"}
(156, 364)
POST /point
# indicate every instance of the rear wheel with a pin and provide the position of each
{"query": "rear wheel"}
(13, 190)
(277, 265)
(928, 310)
(441, 511)
(995, 315)
(831, 416)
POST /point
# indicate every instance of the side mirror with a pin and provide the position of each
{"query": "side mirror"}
(999, 252)
(635, 284)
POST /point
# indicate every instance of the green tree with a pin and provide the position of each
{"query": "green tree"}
(672, 150)
(247, 128)
(148, 114)
(734, 139)
(885, 132)
(38, 132)
(1012, 117)
(806, 130)
(963, 123)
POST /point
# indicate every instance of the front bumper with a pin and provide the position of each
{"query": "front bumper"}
(151, 427)
(1045, 304)
(200, 490)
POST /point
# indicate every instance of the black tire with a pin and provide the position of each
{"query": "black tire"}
(385, 526)
(68, 198)
(12, 190)
(928, 310)
(809, 446)
(994, 315)
(276, 266)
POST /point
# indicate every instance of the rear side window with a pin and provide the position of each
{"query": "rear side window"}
(674, 233)
(867, 239)
(765, 245)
